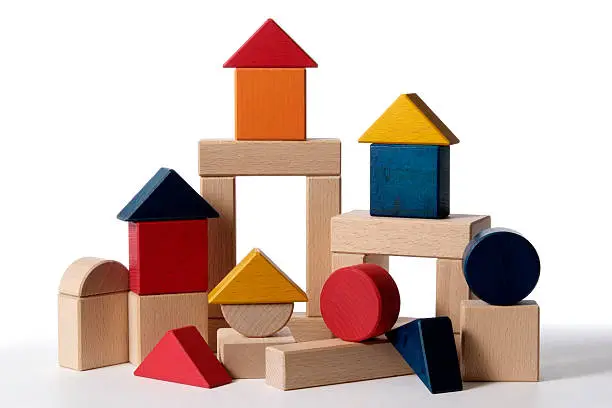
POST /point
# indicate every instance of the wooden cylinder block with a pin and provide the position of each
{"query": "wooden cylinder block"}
(360, 302)
(257, 320)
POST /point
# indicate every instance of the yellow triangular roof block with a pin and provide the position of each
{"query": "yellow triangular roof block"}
(409, 121)
(256, 279)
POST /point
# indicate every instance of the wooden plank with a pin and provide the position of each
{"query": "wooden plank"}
(257, 320)
(334, 361)
(312, 157)
(323, 201)
(500, 343)
(220, 192)
(359, 232)
(451, 289)
(308, 328)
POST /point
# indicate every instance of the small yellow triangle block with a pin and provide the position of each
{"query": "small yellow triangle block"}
(409, 121)
(256, 279)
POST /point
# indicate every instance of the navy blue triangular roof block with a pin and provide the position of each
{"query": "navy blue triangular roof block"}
(428, 346)
(167, 197)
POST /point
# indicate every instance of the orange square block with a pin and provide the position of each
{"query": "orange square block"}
(270, 104)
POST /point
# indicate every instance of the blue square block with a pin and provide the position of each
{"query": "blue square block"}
(410, 181)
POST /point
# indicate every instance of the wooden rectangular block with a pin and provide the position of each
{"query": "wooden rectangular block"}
(270, 103)
(451, 289)
(359, 232)
(150, 317)
(308, 328)
(214, 324)
(500, 343)
(220, 192)
(323, 196)
(334, 361)
(245, 357)
(312, 157)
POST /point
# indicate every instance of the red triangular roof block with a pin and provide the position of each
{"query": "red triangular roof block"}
(270, 47)
(182, 356)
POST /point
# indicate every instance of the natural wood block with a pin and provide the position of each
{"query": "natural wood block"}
(358, 232)
(334, 361)
(150, 317)
(257, 320)
(312, 157)
(245, 357)
(340, 260)
(500, 343)
(308, 328)
(91, 276)
(323, 201)
(451, 289)
(270, 103)
(214, 324)
(220, 192)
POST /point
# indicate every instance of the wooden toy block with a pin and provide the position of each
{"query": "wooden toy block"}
(334, 361)
(150, 317)
(340, 260)
(409, 121)
(312, 157)
(270, 47)
(323, 198)
(428, 346)
(257, 320)
(214, 324)
(308, 328)
(358, 232)
(501, 267)
(270, 104)
(409, 181)
(93, 314)
(182, 356)
(220, 193)
(245, 357)
(500, 343)
(360, 302)
(168, 257)
(451, 289)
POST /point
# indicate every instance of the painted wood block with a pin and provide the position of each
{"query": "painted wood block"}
(245, 357)
(221, 193)
(270, 104)
(451, 289)
(257, 320)
(308, 328)
(500, 343)
(312, 157)
(150, 317)
(323, 201)
(214, 324)
(270, 47)
(334, 361)
(168, 257)
(256, 279)
(409, 121)
(93, 314)
(182, 356)
(501, 266)
(359, 232)
(360, 302)
(428, 346)
(409, 181)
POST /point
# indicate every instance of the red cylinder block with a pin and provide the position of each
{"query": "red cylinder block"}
(360, 302)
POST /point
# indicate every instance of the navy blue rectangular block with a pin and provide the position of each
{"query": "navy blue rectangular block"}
(411, 181)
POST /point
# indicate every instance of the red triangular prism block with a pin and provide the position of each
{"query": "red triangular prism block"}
(182, 356)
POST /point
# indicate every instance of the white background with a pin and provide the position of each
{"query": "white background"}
(96, 96)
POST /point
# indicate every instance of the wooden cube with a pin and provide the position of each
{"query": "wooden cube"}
(500, 343)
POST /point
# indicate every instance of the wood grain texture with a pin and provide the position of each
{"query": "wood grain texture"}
(257, 320)
(340, 260)
(334, 361)
(220, 192)
(500, 343)
(451, 290)
(93, 330)
(323, 201)
(245, 357)
(308, 328)
(270, 104)
(150, 317)
(312, 157)
(214, 324)
(359, 232)
(90, 276)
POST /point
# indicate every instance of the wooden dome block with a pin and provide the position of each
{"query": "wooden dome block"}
(360, 302)
(257, 320)
(90, 276)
